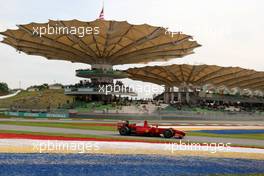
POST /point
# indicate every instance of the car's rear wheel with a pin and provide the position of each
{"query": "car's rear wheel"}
(168, 133)
(124, 131)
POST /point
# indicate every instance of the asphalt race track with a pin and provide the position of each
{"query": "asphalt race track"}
(110, 133)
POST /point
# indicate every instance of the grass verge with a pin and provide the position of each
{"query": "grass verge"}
(84, 126)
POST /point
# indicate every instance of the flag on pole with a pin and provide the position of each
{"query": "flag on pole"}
(101, 16)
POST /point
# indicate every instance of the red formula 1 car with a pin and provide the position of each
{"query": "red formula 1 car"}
(144, 129)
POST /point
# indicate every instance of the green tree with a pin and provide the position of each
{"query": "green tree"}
(43, 86)
(3, 87)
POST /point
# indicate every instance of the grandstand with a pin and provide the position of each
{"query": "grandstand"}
(206, 85)
(117, 43)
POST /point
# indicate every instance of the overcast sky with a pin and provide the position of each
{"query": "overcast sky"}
(231, 32)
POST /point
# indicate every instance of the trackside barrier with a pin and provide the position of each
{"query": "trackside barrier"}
(36, 115)
(2, 110)
(179, 115)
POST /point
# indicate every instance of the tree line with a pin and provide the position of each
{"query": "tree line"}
(3, 88)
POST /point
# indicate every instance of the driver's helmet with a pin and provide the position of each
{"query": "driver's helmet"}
(126, 122)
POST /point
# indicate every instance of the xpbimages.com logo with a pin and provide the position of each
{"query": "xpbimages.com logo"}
(57, 146)
(80, 31)
(192, 146)
(116, 88)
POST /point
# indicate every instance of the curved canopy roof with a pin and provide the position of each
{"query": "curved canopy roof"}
(199, 75)
(117, 42)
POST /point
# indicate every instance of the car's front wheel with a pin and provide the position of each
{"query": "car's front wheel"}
(180, 137)
(124, 131)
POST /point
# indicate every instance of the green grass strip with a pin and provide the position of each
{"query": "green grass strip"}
(239, 136)
(61, 125)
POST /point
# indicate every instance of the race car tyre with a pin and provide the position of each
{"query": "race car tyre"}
(124, 131)
(168, 133)
(180, 137)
